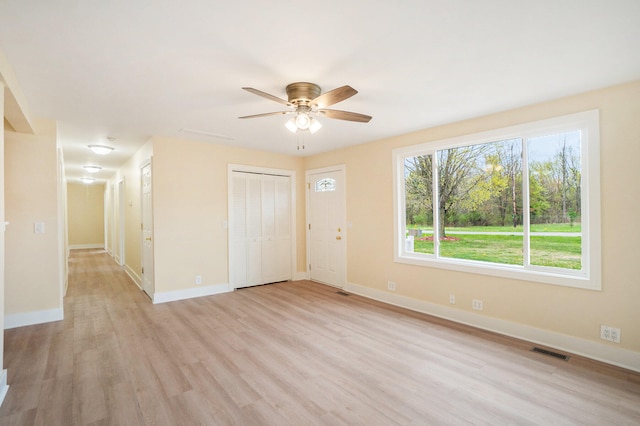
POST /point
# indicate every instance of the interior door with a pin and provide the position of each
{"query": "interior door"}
(121, 223)
(147, 232)
(326, 227)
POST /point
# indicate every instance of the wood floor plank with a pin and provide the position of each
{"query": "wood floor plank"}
(287, 353)
(53, 402)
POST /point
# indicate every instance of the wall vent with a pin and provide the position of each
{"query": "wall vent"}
(550, 353)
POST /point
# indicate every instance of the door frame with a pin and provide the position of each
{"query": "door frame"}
(121, 220)
(227, 224)
(342, 169)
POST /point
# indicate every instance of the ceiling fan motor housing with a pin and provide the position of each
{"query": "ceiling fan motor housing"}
(302, 93)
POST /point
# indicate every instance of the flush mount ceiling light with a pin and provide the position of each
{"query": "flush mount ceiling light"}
(87, 180)
(92, 169)
(101, 149)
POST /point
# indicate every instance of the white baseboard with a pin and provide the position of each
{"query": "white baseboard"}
(86, 246)
(137, 279)
(603, 352)
(299, 276)
(4, 387)
(190, 293)
(32, 318)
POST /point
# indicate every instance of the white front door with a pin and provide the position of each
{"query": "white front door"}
(147, 232)
(326, 226)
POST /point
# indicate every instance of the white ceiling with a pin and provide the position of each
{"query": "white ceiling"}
(130, 69)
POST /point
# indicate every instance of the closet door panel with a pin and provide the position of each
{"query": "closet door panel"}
(238, 229)
(254, 229)
(269, 254)
(283, 227)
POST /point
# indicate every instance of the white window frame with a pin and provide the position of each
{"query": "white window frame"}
(589, 277)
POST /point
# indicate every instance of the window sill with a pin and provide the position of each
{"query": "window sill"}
(578, 279)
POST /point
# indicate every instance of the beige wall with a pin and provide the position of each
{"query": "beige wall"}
(85, 213)
(569, 311)
(32, 270)
(190, 205)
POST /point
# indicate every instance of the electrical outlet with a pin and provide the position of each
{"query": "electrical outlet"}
(391, 285)
(476, 304)
(452, 299)
(198, 279)
(611, 334)
(615, 335)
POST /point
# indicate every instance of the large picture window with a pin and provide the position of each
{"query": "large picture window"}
(519, 202)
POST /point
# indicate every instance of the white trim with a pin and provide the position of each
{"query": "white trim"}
(299, 276)
(590, 277)
(86, 246)
(604, 352)
(190, 293)
(4, 387)
(32, 318)
(133, 275)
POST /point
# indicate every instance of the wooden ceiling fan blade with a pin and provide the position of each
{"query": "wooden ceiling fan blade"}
(267, 114)
(266, 95)
(345, 115)
(333, 96)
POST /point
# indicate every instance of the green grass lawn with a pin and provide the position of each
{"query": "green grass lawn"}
(545, 227)
(560, 252)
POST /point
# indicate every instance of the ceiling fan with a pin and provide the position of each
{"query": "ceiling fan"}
(305, 99)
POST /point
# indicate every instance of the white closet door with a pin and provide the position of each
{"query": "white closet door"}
(260, 231)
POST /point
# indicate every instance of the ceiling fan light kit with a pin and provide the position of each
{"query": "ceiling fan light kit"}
(306, 99)
(302, 121)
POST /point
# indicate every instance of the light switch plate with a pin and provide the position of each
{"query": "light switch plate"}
(38, 227)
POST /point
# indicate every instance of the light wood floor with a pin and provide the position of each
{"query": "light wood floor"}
(289, 353)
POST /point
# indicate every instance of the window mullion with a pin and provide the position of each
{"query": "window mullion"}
(526, 206)
(436, 204)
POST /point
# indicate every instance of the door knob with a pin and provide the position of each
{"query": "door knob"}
(338, 237)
